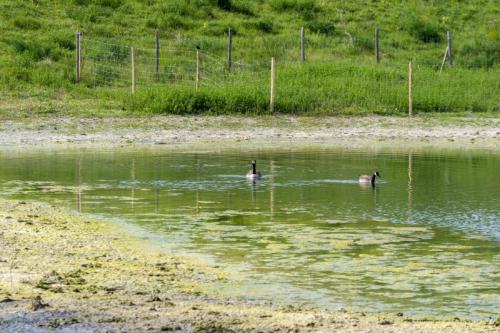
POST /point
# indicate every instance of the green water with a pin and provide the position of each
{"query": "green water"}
(425, 241)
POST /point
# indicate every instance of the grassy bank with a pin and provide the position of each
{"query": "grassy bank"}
(311, 89)
(339, 88)
(340, 76)
(82, 274)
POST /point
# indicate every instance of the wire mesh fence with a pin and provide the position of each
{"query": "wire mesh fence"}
(110, 64)
(337, 84)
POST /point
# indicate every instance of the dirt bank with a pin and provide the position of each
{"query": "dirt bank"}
(453, 132)
(61, 271)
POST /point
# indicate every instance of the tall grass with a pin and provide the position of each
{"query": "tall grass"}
(338, 88)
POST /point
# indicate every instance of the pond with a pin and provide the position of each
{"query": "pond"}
(424, 241)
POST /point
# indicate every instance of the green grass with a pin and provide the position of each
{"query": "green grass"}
(338, 88)
(37, 51)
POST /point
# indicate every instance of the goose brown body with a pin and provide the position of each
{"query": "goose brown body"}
(365, 179)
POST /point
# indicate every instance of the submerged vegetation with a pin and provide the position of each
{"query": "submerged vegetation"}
(81, 274)
(340, 75)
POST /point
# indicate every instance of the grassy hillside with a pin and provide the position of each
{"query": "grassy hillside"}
(37, 55)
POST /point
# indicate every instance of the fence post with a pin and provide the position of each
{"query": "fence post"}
(302, 45)
(410, 87)
(450, 53)
(229, 47)
(132, 62)
(197, 79)
(273, 82)
(81, 53)
(377, 48)
(444, 60)
(78, 57)
(157, 55)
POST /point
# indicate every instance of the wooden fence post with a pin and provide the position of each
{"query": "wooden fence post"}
(132, 62)
(273, 82)
(229, 47)
(302, 45)
(410, 87)
(197, 79)
(377, 48)
(444, 59)
(80, 52)
(157, 55)
(450, 53)
(78, 57)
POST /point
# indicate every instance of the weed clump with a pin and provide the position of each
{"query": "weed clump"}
(264, 25)
(224, 4)
(321, 27)
(183, 100)
(308, 9)
(423, 30)
(26, 23)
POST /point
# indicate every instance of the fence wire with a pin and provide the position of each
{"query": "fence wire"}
(107, 63)
(332, 85)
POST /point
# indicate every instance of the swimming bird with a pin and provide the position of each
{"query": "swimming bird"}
(254, 174)
(365, 179)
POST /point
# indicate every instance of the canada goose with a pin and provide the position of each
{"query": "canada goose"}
(365, 179)
(254, 174)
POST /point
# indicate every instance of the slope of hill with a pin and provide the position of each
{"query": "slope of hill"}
(37, 54)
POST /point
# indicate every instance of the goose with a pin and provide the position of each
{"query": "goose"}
(254, 174)
(365, 179)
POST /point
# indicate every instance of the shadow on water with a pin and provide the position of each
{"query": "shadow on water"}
(424, 240)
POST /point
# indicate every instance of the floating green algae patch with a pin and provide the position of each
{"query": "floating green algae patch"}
(425, 241)
(83, 273)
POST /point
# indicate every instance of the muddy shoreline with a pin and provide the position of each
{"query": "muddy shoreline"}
(418, 132)
(68, 272)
